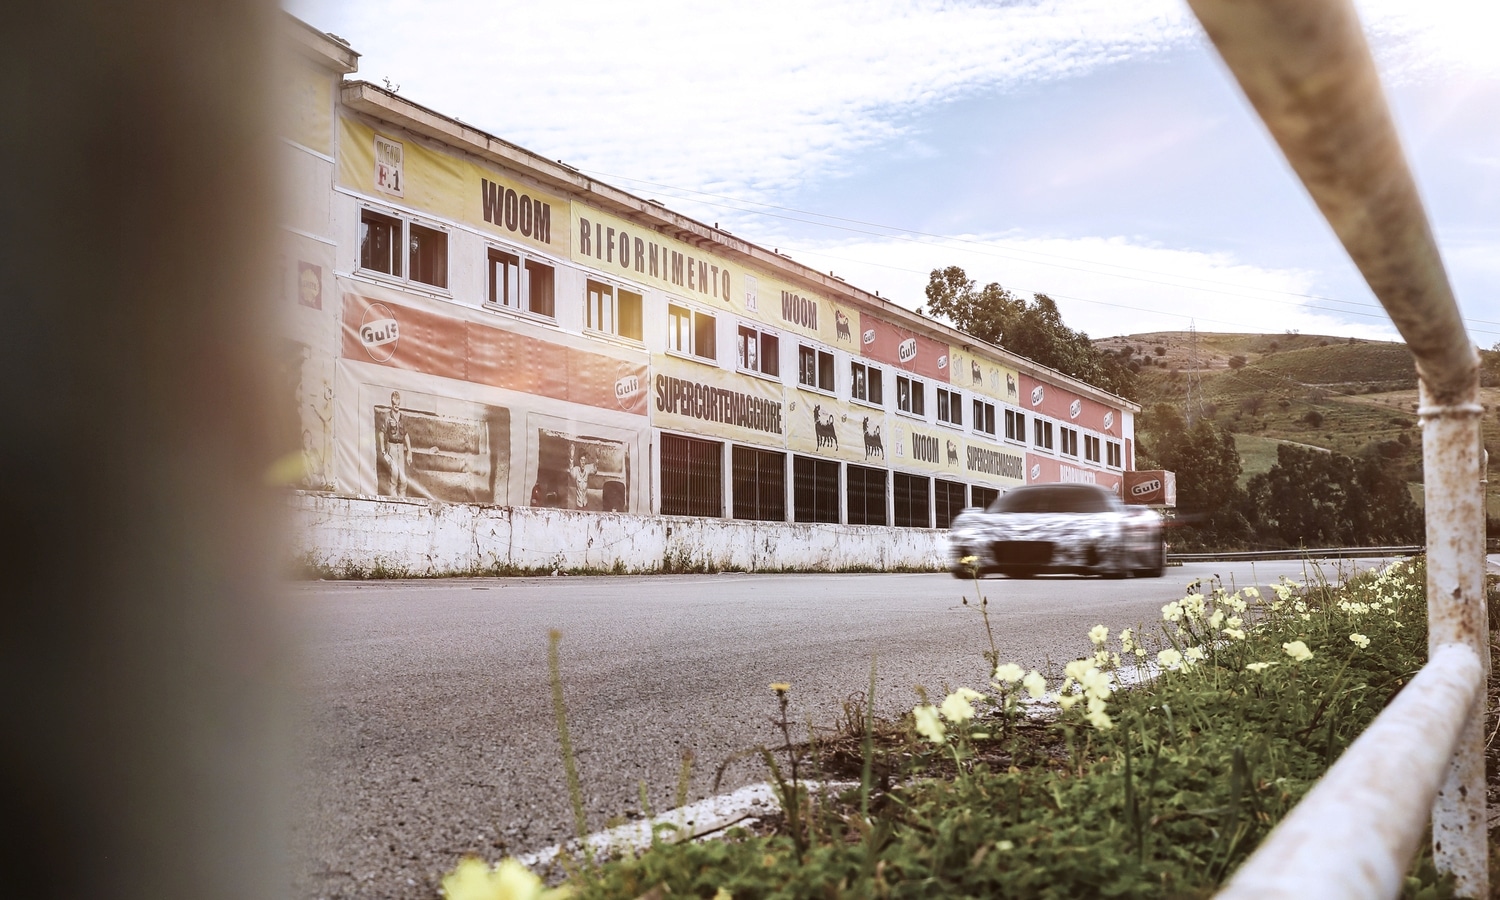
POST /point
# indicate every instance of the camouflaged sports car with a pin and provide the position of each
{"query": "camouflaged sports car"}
(1057, 528)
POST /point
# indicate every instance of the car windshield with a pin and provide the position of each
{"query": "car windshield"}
(1053, 498)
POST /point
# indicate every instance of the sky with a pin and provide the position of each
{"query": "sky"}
(1093, 150)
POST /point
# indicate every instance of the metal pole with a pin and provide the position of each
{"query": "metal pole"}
(1305, 67)
(1355, 832)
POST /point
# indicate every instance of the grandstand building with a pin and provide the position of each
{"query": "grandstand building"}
(468, 322)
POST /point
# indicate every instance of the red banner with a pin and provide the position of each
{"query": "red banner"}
(880, 340)
(420, 341)
(1068, 407)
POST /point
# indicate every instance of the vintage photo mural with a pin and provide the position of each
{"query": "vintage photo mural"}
(435, 405)
(458, 457)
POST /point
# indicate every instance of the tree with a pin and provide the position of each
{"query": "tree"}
(1031, 328)
(1317, 498)
(1207, 464)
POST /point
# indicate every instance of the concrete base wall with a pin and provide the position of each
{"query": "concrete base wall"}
(368, 536)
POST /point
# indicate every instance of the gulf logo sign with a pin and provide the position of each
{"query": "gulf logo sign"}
(379, 332)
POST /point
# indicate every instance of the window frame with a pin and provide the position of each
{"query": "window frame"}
(954, 400)
(696, 319)
(984, 415)
(525, 260)
(871, 375)
(762, 335)
(1015, 426)
(1068, 438)
(1041, 433)
(916, 389)
(401, 252)
(818, 355)
(615, 290)
(1114, 454)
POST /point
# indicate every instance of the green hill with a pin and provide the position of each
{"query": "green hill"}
(1354, 397)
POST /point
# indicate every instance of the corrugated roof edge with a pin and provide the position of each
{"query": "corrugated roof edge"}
(384, 105)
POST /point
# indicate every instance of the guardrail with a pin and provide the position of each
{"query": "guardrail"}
(1306, 68)
(1299, 553)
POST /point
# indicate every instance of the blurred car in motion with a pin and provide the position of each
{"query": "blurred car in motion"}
(1081, 528)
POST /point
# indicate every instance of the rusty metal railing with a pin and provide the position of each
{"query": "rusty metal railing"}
(1307, 70)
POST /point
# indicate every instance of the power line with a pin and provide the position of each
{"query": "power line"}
(989, 251)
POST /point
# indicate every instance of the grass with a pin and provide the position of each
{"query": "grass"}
(1358, 399)
(1159, 790)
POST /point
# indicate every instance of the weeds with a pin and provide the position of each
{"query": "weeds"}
(1159, 790)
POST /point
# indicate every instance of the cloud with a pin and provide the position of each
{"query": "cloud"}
(1108, 285)
(754, 97)
(1425, 39)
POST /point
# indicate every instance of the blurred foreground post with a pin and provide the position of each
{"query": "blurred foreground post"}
(143, 716)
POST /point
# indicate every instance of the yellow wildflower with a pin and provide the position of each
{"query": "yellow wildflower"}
(1035, 684)
(474, 880)
(1098, 635)
(1259, 666)
(1359, 640)
(959, 706)
(928, 724)
(781, 687)
(1297, 650)
(1169, 658)
(1010, 673)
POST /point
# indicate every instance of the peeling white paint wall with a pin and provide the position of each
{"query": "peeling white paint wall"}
(422, 538)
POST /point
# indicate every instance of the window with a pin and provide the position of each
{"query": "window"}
(692, 332)
(613, 310)
(380, 248)
(1042, 435)
(759, 351)
(984, 496)
(911, 500)
(759, 481)
(865, 495)
(429, 255)
(984, 417)
(1116, 459)
(815, 489)
(950, 407)
(1069, 440)
(949, 497)
(911, 396)
(1015, 426)
(1090, 448)
(692, 477)
(517, 282)
(864, 384)
(815, 368)
(379, 238)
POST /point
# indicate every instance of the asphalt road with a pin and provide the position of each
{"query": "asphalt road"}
(428, 725)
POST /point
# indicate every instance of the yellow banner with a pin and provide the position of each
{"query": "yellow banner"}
(825, 426)
(307, 106)
(953, 455)
(698, 399)
(412, 174)
(978, 373)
